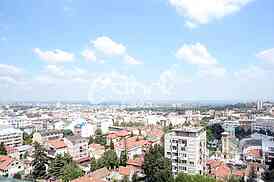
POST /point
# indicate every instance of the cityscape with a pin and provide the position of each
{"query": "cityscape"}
(137, 91)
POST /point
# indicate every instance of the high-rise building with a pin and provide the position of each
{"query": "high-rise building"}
(186, 148)
(259, 105)
(225, 144)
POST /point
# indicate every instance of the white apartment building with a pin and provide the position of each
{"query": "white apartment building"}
(11, 136)
(77, 147)
(103, 122)
(186, 148)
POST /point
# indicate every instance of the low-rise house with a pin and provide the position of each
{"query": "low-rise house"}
(136, 163)
(116, 136)
(100, 175)
(10, 166)
(43, 136)
(96, 150)
(133, 148)
(56, 147)
(122, 172)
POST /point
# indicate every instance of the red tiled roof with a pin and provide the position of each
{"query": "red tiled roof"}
(136, 162)
(116, 134)
(155, 132)
(222, 171)
(57, 144)
(83, 159)
(132, 144)
(87, 179)
(125, 171)
(214, 163)
(254, 153)
(239, 173)
(5, 161)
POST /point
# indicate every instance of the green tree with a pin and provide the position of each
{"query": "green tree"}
(233, 179)
(56, 166)
(40, 162)
(63, 167)
(134, 178)
(111, 145)
(27, 139)
(17, 175)
(98, 132)
(93, 165)
(91, 140)
(67, 132)
(125, 179)
(71, 171)
(156, 167)
(100, 163)
(110, 159)
(209, 134)
(123, 158)
(100, 138)
(182, 177)
(3, 150)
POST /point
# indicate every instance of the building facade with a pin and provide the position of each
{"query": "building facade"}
(11, 136)
(186, 148)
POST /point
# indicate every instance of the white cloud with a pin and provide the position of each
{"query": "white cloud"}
(55, 56)
(196, 54)
(131, 60)
(204, 11)
(89, 55)
(107, 46)
(216, 71)
(266, 55)
(8, 80)
(190, 25)
(252, 72)
(9, 70)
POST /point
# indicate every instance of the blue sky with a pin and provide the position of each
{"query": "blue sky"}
(136, 50)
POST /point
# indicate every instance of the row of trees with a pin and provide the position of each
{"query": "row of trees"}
(99, 138)
(62, 167)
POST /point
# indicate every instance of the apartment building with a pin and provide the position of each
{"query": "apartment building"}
(186, 148)
(77, 147)
(11, 136)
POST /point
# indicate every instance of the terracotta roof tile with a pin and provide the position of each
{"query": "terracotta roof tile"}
(57, 144)
(222, 171)
(5, 161)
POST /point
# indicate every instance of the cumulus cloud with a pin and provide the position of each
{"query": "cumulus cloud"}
(203, 11)
(266, 55)
(196, 54)
(88, 55)
(131, 60)
(55, 56)
(109, 47)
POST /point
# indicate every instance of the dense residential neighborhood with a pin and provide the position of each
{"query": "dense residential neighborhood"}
(137, 143)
